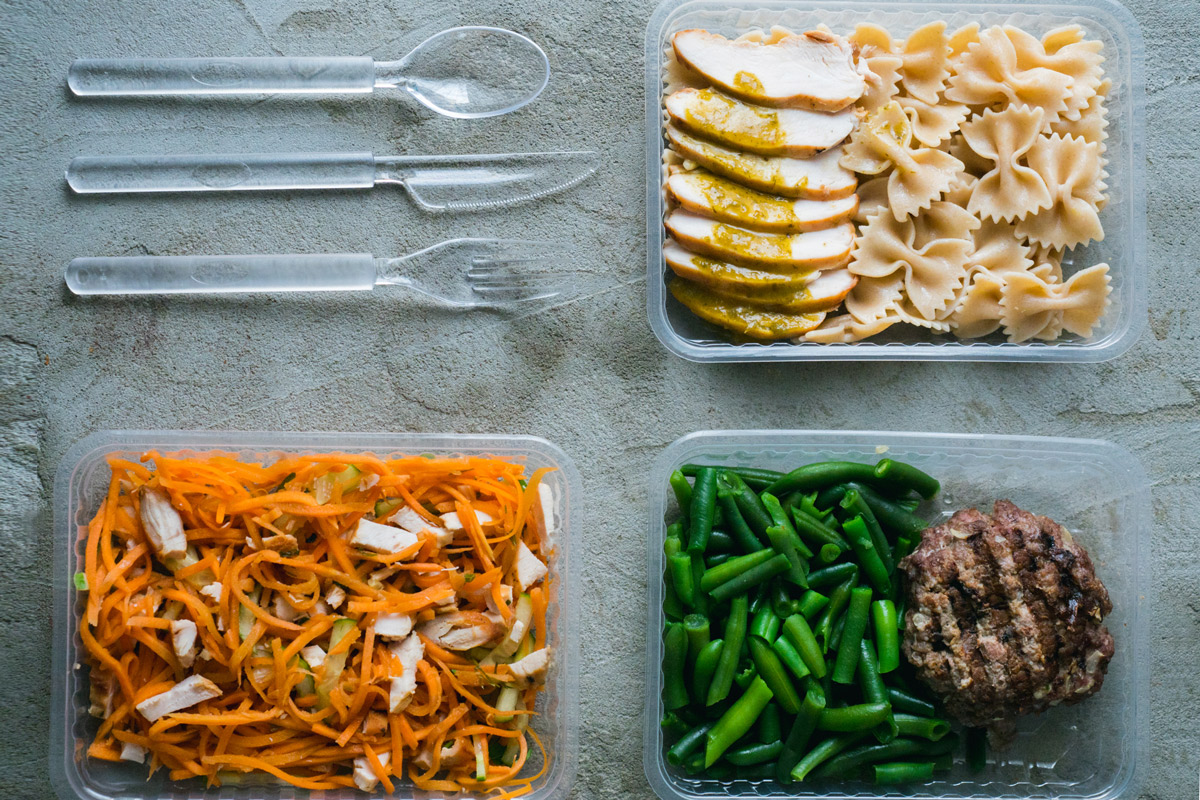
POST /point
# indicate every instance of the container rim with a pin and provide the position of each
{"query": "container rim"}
(564, 767)
(1134, 321)
(1116, 459)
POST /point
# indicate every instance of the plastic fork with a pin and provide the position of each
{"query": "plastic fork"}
(460, 273)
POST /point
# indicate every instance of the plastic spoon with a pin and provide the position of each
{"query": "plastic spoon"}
(467, 72)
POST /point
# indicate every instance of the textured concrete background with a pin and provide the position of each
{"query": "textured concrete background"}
(588, 375)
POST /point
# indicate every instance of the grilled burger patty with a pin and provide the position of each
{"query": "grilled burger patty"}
(1004, 616)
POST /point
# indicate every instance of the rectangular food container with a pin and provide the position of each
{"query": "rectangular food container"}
(1124, 218)
(79, 486)
(1094, 750)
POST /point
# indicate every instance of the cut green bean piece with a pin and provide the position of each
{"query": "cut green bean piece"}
(820, 475)
(823, 752)
(839, 598)
(811, 603)
(770, 724)
(790, 657)
(758, 753)
(887, 634)
(903, 772)
(890, 514)
(849, 648)
(771, 670)
(702, 510)
(720, 543)
(739, 531)
(816, 533)
(829, 553)
(736, 721)
(703, 668)
(864, 548)
(683, 493)
(672, 606)
(856, 506)
(673, 542)
(680, 566)
(688, 745)
(861, 717)
(780, 519)
(831, 576)
(785, 543)
(748, 503)
(850, 763)
(672, 725)
(765, 623)
(697, 628)
(754, 477)
(714, 577)
(735, 633)
(800, 635)
(799, 735)
(906, 476)
(925, 727)
(675, 649)
(870, 682)
(910, 704)
(778, 565)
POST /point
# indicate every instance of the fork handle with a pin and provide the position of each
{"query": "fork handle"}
(175, 76)
(223, 274)
(205, 173)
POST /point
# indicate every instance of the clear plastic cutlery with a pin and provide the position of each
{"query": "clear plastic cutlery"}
(461, 273)
(466, 72)
(435, 183)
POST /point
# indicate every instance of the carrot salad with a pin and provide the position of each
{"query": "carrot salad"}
(330, 620)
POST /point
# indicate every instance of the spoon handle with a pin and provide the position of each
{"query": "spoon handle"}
(178, 76)
(221, 173)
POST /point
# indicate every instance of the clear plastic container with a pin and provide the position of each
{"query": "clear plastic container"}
(1124, 218)
(79, 487)
(1094, 750)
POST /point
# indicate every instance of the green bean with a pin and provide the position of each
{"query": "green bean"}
(758, 753)
(910, 704)
(746, 677)
(672, 725)
(735, 722)
(835, 636)
(702, 509)
(887, 634)
(812, 602)
(672, 606)
(703, 668)
(868, 557)
(714, 577)
(800, 635)
(829, 553)
(780, 519)
(906, 476)
(801, 731)
(781, 601)
(839, 598)
(790, 657)
(861, 717)
(716, 559)
(689, 744)
(771, 670)
(770, 724)
(765, 623)
(849, 763)
(735, 634)
(976, 749)
(739, 531)
(904, 546)
(816, 532)
(829, 497)
(856, 625)
(700, 603)
(673, 542)
(820, 475)
(755, 478)
(823, 752)
(925, 727)
(831, 576)
(752, 577)
(856, 506)
(873, 691)
(720, 542)
(748, 503)
(903, 772)
(683, 493)
(680, 567)
(785, 543)
(697, 628)
(891, 514)
(675, 648)
(806, 503)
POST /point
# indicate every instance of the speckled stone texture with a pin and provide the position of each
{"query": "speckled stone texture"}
(587, 375)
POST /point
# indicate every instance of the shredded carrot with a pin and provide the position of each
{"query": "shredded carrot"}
(310, 722)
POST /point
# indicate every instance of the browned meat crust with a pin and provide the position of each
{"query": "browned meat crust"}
(1004, 615)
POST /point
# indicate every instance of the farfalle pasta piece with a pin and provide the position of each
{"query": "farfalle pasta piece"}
(1070, 167)
(932, 273)
(1034, 308)
(1010, 190)
(961, 39)
(999, 250)
(1063, 50)
(973, 163)
(919, 176)
(844, 329)
(883, 79)
(943, 220)
(1048, 261)
(872, 198)
(988, 74)
(959, 191)
(979, 311)
(909, 314)
(933, 123)
(924, 56)
(873, 298)
(1092, 125)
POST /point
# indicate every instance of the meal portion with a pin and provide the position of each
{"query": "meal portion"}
(329, 620)
(817, 628)
(981, 159)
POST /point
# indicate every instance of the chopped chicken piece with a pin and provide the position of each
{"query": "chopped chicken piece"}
(368, 482)
(453, 523)
(533, 666)
(506, 594)
(413, 522)
(133, 752)
(382, 538)
(462, 630)
(191, 690)
(101, 696)
(530, 568)
(281, 543)
(162, 523)
(212, 590)
(364, 773)
(284, 610)
(453, 753)
(393, 626)
(409, 652)
(547, 501)
(183, 640)
(205, 655)
(335, 596)
(314, 654)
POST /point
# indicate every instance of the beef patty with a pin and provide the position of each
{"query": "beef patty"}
(1004, 616)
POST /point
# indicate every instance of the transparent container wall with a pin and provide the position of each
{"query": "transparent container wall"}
(1097, 490)
(79, 488)
(1124, 218)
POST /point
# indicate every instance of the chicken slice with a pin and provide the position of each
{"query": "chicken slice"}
(718, 198)
(530, 568)
(188, 692)
(789, 253)
(463, 630)
(183, 641)
(533, 666)
(409, 652)
(162, 523)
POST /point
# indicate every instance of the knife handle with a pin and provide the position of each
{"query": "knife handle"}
(204, 173)
(222, 274)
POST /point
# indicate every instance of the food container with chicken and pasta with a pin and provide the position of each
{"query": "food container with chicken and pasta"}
(272, 615)
(838, 615)
(940, 182)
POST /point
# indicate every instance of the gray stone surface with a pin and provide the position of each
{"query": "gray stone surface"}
(587, 375)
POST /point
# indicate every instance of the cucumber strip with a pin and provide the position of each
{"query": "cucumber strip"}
(334, 662)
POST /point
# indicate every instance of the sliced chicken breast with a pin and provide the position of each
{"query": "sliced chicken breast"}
(744, 318)
(813, 70)
(794, 132)
(820, 177)
(774, 252)
(718, 198)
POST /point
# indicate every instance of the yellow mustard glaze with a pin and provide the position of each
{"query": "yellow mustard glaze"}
(739, 203)
(737, 123)
(740, 317)
(748, 82)
(762, 246)
(753, 169)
